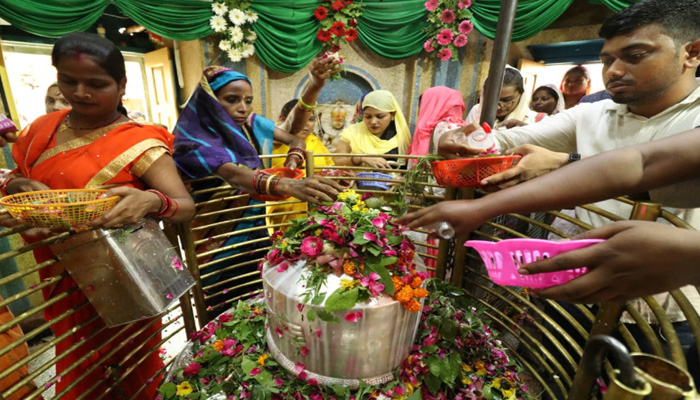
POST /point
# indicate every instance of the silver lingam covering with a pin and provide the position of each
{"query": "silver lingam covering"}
(340, 353)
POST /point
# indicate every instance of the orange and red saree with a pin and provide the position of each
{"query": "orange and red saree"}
(92, 356)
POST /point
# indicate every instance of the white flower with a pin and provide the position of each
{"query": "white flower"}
(219, 8)
(248, 50)
(235, 34)
(235, 55)
(225, 45)
(251, 16)
(237, 16)
(218, 23)
(251, 37)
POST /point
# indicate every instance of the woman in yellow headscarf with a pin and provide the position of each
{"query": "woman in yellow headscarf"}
(383, 130)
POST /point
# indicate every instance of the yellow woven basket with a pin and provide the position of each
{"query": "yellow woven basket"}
(58, 208)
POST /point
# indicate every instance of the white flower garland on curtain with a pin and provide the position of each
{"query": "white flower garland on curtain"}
(233, 23)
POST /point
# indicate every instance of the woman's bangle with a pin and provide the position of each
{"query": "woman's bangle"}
(165, 207)
(304, 106)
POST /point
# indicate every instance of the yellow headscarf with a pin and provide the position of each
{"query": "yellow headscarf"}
(362, 141)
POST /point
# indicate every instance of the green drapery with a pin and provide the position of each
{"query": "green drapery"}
(174, 19)
(393, 28)
(531, 16)
(286, 33)
(286, 28)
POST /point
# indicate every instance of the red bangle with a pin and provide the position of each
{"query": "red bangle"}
(3, 187)
(166, 204)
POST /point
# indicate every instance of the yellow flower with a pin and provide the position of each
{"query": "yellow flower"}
(219, 345)
(184, 389)
(497, 383)
(317, 232)
(466, 367)
(262, 358)
(348, 284)
(467, 381)
(285, 242)
(480, 369)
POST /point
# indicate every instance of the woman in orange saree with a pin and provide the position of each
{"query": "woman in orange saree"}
(90, 146)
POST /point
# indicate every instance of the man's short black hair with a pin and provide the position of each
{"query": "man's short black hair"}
(680, 19)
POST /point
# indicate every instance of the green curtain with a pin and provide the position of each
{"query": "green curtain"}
(531, 17)
(286, 33)
(617, 5)
(393, 28)
(52, 18)
(174, 19)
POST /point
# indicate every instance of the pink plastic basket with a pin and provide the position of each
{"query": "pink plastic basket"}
(503, 259)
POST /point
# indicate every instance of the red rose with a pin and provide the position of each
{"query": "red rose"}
(337, 5)
(351, 35)
(323, 36)
(353, 22)
(321, 13)
(337, 28)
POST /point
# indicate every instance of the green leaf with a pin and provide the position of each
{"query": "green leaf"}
(318, 299)
(359, 238)
(374, 249)
(448, 329)
(340, 390)
(449, 373)
(387, 261)
(434, 365)
(326, 316)
(342, 299)
(247, 365)
(433, 383)
(311, 315)
(415, 396)
(384, 276)
(168, 390)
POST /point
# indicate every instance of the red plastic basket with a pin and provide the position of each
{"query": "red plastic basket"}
(295, 174)
(468, 172)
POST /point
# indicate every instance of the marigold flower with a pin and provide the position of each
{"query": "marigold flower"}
(349, 267)
(398, 284)
(219, 345)
(413, 305)
(348, 284)
(262, 358)
(420, 293)
(416, 282)
(405, 294)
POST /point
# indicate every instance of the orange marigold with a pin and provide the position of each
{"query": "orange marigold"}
(219, 345)
(413, 305)
(362, 268)
(349, 267)
(398, 283)
(416, 282)
(262, 358)
(420, 293)
(405, 294)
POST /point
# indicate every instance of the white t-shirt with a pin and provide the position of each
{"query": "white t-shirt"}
(592, 128)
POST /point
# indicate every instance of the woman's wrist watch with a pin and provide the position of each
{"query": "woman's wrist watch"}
(573, 157)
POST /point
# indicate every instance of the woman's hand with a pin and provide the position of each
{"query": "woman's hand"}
(322, 68)
(21, 185)
(464, 215)
(313, 190)
(375, 162)
(133, 206)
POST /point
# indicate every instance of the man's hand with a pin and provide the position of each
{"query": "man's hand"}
(450, 148)
(536, 161)
(638, 259)
(464, 215)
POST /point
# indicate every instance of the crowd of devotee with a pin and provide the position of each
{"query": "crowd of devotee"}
(638, 136)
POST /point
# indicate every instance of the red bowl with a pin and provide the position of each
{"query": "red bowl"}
(284, 172)
(468, 172)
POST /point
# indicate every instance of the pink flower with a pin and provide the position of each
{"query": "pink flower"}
(464, 4)
(278, 382)
(430, 5)
(311, 246)
(370, 236)
(313, 382)
(353, 316)
(192, 369)
(226, 317)
(379, 222)
(447, 16)
(177, 264)
(445, 54)
(282, 267)
(304, 351)
(445, 37)
(279, 332)
(255, 371)
(169, 296)
(318, 332)
(370, 282)
(428, 46)
(465, 27)
(460, 40)
(299, 368)
(300, 307)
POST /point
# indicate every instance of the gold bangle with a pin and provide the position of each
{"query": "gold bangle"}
(305, 106)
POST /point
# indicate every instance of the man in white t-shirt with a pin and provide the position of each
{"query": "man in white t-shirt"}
(650, 57)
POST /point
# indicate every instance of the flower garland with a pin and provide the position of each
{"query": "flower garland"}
(449, 26)
(338, 20)
(233, 23)
(456, 356)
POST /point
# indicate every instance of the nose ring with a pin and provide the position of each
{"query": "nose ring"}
(87, 95)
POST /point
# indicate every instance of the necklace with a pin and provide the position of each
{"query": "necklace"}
(66, 124)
